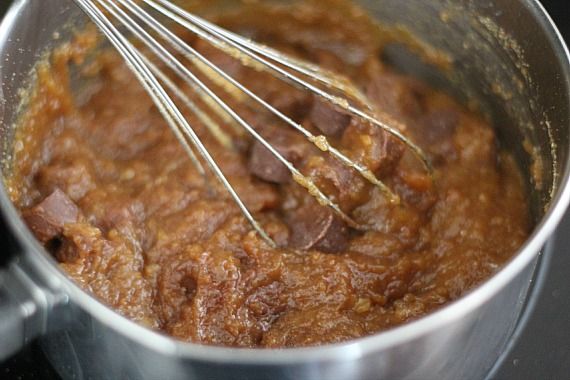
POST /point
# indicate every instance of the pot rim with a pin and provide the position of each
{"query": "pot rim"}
(345, 351)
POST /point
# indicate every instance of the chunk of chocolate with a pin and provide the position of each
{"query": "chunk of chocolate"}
(316, 227)
(73, 178)
(328, 119)
(373, 147)
(47, 218)
(337, 181)
(264, 165)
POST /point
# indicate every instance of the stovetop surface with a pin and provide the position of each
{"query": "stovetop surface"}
(540, 348)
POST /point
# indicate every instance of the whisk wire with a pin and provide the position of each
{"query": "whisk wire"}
(320, 141)
(243, 46)
(215, 129)
(130, 56)
(250, 54)
(158, 49)
(169, 110)
(326, 77)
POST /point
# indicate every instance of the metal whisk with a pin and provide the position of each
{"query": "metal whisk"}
(139, 21)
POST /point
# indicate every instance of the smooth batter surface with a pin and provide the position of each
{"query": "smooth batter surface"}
(102, 181)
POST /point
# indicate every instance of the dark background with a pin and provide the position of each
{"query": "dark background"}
(541, 347)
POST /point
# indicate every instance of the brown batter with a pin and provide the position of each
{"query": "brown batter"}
(104, 184)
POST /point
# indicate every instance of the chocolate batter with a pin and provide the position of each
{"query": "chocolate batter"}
(104, 184)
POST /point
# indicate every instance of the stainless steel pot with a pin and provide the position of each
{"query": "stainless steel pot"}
(507, 55)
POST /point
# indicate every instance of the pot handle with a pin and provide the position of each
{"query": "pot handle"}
(23, 309)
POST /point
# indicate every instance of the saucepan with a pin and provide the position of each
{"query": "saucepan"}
(506, 56)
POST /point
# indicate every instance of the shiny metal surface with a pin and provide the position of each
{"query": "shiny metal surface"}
(17, 309)
(520, 76)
